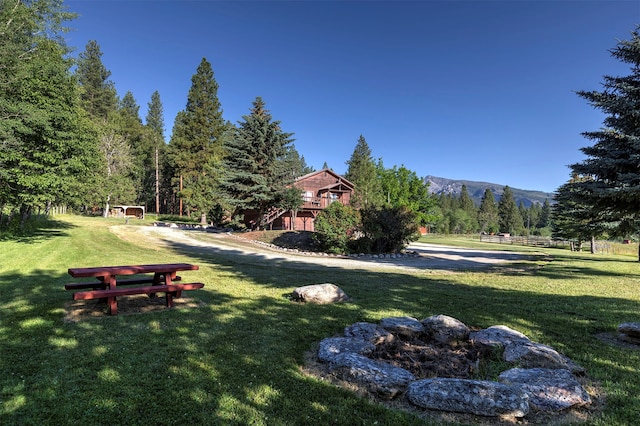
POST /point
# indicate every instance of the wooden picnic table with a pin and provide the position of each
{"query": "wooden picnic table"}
(106, 286)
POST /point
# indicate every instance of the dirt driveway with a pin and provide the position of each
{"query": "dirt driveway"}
(428, 257)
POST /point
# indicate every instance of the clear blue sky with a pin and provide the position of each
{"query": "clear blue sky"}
(475, 90)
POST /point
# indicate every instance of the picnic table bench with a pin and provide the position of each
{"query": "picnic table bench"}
(164, 280)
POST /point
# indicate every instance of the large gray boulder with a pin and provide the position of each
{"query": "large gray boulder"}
(548, 389)
(406, 326)
(498, 336)
(381, 378)
(536, 355)
(370, 332)
(483, 398)
(331, 347)
(445, 329)
(320, 294)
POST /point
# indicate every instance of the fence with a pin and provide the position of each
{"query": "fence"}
(532, 240)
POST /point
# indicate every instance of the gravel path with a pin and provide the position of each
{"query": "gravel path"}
(428, 256)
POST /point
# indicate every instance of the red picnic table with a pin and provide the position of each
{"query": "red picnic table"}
(106, 286)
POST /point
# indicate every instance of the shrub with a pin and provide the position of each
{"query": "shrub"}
(335, 226)
(388, 229)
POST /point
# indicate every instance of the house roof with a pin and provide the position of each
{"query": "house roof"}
(339, 179)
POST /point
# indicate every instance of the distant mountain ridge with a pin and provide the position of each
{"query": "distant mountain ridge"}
(438, 185)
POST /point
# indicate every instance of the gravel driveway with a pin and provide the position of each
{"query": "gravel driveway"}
(427, 256)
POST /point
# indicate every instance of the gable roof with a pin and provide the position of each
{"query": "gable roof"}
(339, 180)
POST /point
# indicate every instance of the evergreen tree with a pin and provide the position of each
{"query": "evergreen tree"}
(544, 219)
(257, 175)
(611, 188)
(98, 92)
(361, 172)
(573, 220)
(196, 146)
(488, 213)
(133, 132)
(155, 133)
(46, 146)
(509, 216)
(465, 201)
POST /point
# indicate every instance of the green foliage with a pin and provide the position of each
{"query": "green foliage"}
(361, 172)
(609, 188)
(335, 227)
(387, 229)
(257, 173)
(509, 216)
(98, 92)
(196, 146)
(46, 145)
(402, 187)
(488, 213)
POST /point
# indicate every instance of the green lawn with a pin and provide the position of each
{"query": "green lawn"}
(238, 358)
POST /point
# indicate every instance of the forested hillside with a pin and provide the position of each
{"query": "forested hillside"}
(438, 185)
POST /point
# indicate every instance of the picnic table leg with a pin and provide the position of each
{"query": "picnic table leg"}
(113, 305)
(169, 299)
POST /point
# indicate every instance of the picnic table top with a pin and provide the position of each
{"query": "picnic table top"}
(98, 271)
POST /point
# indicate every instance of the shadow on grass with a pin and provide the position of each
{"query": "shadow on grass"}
(237, 359)
(46, 229)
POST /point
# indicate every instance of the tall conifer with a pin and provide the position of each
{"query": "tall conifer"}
(257, 173)
(196, 145)
(362, 173)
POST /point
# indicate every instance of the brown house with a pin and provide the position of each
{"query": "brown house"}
(320, 189)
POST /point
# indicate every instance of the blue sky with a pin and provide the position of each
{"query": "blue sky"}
(474, 90)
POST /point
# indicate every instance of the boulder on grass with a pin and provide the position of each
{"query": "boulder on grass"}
(320, 294)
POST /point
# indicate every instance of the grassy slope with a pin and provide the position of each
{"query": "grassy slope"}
(237, 360)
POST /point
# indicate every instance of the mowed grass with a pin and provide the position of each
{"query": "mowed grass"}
(238, 358)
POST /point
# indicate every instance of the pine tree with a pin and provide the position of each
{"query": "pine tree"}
(509, 216)
(362, 173)
(196, 146)
(257, 175)
(155, 133)
(488, 213)
(611, 188)
(98, 92)
(544, 219)
(133, 132)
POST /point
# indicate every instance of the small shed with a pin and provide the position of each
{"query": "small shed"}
(129, 211)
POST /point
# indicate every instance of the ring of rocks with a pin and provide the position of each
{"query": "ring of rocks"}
(438, 364)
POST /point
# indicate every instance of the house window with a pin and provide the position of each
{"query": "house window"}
(307, 196)
(333, 197)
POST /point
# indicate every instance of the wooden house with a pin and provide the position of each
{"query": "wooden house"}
(319, 190)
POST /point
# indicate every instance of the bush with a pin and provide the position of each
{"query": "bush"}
(388, 229)
(335, 227)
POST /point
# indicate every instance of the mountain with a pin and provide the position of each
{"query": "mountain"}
(438, 185)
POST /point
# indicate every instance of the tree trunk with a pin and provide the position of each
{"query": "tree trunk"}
(157, 185)
(203, 218)
(106, 207)
(593, 244)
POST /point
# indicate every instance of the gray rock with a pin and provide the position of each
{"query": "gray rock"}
(384, 379)
(548, 389)
(406, 326)
(320, 294)
(370, 332)
(483, 398)
(331, 347)
(445, 329)
(536, 355)
(630, 328)
(498, 335)
(629, 339)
